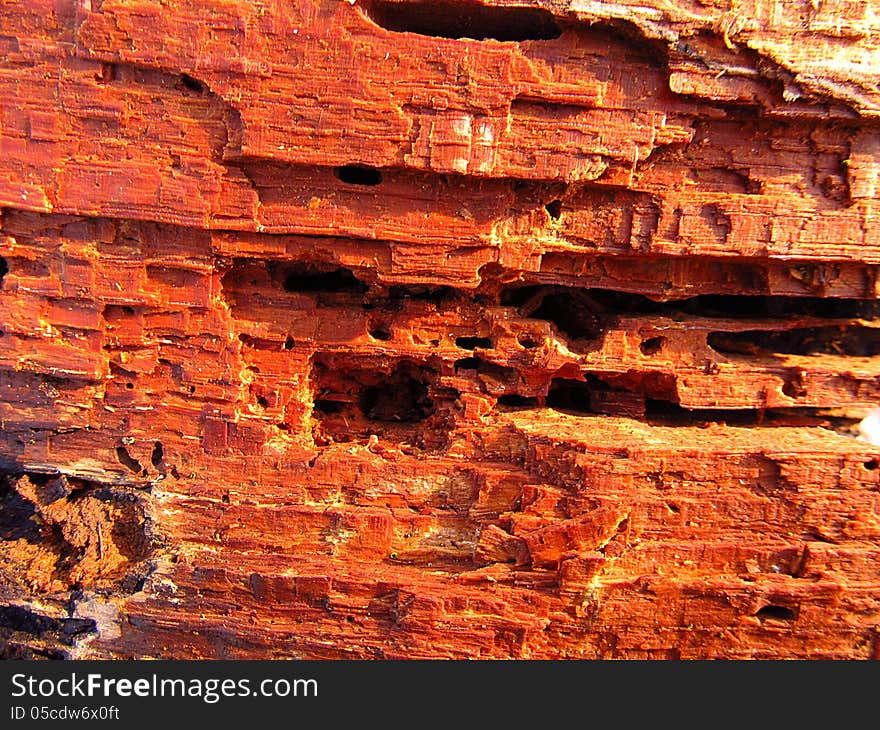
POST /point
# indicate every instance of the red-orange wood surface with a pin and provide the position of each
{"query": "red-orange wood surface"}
(463, 329)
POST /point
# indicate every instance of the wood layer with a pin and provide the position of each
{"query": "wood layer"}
(389, 329)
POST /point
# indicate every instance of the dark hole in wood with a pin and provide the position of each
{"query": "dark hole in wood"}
(436, 294)
(472, 343)
(528, 341)
(517, 296)
(517, 401)
(554, 209)
(445, 19)
(491, 374)
(713, 306)
(18, 517)
(359, 175)
(41, 480)
(192, 84)
(658, 409)
(306, 279)
(158, 454)
(127, 460)
(738, 306)
(572, 396)
(467, 363)
(327, 407)
(402, 398)
(356, 399)
(779, 613)
(794, 386)
(573, 314)
(652, 345)
(843, 339)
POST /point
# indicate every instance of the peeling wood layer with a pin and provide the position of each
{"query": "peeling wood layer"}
(337, 329)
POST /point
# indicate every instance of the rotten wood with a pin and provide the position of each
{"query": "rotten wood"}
(396, 329)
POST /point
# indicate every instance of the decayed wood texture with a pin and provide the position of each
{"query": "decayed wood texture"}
(335, 328)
